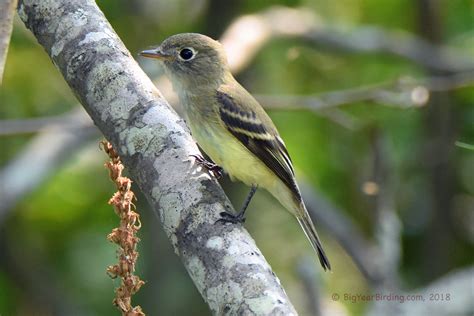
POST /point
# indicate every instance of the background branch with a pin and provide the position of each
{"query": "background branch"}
(387, 225)
(250, 32)
(449, 295)
(70, 120)
(42, 156)
(404, 93)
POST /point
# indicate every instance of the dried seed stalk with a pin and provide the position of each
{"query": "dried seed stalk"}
(124, 236)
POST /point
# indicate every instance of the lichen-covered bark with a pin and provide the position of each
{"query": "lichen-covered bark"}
(154, 143)
(7, 11)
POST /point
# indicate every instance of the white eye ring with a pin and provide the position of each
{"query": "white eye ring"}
(187, 54)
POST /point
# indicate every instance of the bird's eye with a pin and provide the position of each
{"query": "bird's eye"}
(186, 54)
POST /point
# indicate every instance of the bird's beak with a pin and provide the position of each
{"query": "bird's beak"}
(155, 53)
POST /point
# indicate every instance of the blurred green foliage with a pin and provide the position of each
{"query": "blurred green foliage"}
(53, 248)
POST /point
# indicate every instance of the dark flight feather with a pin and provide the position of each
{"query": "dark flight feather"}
(263, 143)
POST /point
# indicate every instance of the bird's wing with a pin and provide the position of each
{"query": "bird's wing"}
(255, 130)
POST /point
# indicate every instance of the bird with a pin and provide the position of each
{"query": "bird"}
(231, 126)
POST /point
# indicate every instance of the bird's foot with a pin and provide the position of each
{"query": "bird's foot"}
(240, 216)
(232, 218)
(210, 166)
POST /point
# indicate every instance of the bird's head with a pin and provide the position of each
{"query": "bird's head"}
(191, 59)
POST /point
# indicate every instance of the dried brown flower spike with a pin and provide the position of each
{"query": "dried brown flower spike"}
(124, 236)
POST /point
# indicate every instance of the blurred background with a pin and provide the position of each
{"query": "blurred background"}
(374, 100)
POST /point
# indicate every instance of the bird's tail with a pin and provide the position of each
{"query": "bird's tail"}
(310, 231)
(293, 202)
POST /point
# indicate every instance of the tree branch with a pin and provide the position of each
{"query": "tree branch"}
(250, 32)
(388, 227)
(49, 149)
(449, 295)
(68, 120)
(228, 269)
(402, 93)
(7, 11)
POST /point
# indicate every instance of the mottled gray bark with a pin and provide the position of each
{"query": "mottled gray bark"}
(154, 143)
(7, 11)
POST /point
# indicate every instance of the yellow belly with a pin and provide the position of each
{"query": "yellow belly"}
(230, 154)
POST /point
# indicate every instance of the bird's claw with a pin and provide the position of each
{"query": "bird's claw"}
(231, 218)
(210, 166)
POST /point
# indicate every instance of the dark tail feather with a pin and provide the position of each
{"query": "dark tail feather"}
(310, 231)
